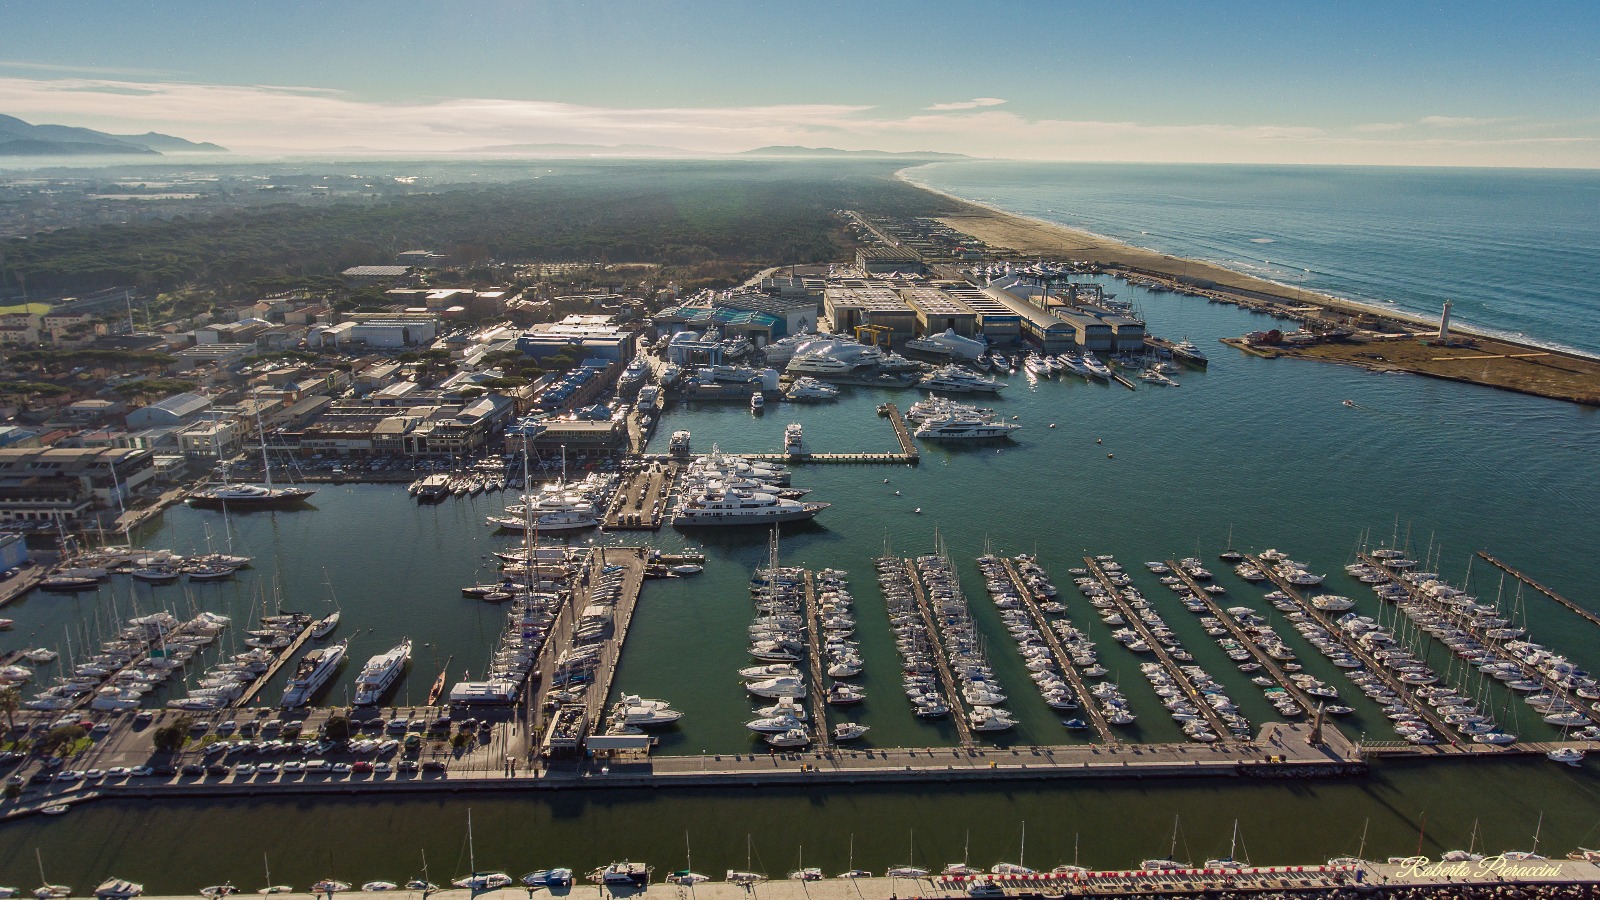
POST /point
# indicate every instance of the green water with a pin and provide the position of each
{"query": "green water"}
(1262, 448)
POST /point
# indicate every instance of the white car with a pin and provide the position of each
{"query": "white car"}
(119, 771)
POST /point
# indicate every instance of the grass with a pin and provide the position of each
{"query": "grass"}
(31, 308)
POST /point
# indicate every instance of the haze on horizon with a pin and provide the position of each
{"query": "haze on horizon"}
(1467, 84)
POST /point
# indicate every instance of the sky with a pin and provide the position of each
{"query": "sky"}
(1399, 83)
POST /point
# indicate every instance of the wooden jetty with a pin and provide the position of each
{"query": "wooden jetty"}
(820, 735)
(901, 432)
(1405, 691)
(283, 658)
(632, 559)
(1514, 573)
(1271, 666)
(1121, 379)
(1063, 658)
(1212, 718)
(947, 679)
(641, 503)
(878, 459)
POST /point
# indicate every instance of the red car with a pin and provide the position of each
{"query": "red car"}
(361, 767)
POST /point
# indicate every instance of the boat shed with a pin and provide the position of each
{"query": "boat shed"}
(1048, 332)
(1126, 333)
(938, 312)
(854, 302)
(994, 320)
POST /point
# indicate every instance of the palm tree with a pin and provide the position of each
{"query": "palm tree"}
(10, 702)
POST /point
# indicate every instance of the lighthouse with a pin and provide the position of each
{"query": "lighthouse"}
(1444, 324)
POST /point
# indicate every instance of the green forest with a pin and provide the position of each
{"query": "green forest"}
(674, 213)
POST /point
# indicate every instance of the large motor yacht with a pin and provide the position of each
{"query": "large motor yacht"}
(380, 673)
(957, 426)
(736, 507)
(958, 379)
(312, 673)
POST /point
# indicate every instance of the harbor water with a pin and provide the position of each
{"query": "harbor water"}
(1262, 453)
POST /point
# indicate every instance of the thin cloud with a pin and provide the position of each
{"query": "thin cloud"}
(81, 70)
(309, 120)
(1457, 121)
(974, 103)
(1380, 126)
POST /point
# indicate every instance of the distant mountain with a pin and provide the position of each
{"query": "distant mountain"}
(830, 151)
(586, 150)
(19, 138)
(166, 143)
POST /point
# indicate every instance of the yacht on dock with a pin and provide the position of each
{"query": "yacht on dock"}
(954, 379)
(809, 390)
(380, 673)
(313, 671)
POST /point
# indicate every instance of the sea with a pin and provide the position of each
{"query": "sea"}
(1248, 454)
(1516, 251)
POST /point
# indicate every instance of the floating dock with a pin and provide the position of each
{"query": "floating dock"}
(1594, 619)
(600, 559)
(283, 658)
(1063, 658)
(821, 737)
(1271, 666)
(947, 679)
(1167, 662)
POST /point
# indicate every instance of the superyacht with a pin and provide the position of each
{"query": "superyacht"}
(735, 507)
(958, 379)
(313, 671)
(958, 426)
(380, 673)
(808, 390)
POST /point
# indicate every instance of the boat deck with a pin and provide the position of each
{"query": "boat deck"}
(283, 658)
(821, 737)
(1086, 704)
(947, 679)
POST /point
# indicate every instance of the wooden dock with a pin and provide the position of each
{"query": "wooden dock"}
(1514, 573)
(902, 434)
(1453, 615)
(869, 459)
(1223, 732)
(1268, 664)
(632, 559)
(283, 658)
(1121, 379)
(821, 737)
(947, 679)
(1369, 662)
(641, 503)
(1063, 658)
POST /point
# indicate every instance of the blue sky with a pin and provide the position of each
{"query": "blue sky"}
(1406, 83)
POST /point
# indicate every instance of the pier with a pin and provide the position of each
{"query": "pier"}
(878, 459)
(901, 432)
(1268, 664)
(1167, 662)
(820, 735)
(1121, 379)
(941, 656)
(641, 503)
(1063, 658)
(283, 658)
(600, 559)
(1369, 662)
(1514, 573)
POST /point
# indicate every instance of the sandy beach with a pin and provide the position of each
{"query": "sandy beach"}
(1485, 359)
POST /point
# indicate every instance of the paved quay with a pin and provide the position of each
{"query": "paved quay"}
(1493, 877)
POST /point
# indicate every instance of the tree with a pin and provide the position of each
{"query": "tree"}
(337, 729)
(170, 737)
(10, 702)
(60, 739)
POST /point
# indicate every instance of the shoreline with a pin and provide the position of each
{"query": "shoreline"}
(1122, 255)
(1512, 368)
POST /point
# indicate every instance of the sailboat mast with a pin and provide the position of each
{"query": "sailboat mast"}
(261, 432)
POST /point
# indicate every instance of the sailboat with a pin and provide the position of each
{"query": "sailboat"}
(850, 865)
(908, 870)
(801, 873)
(328, 623)
(962, 868)
(1467, 855)
(686, 876)
(1230, 861)
(1528, 854)
(46, 890)
(272, 888)
(1169, 862)
(1016, 868)
(478, 882)
(1360, 850)
(251, 496)
(746, 878)
(422, 884)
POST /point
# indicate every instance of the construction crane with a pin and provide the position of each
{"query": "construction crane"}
(873, 334)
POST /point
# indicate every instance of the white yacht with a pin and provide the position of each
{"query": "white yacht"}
(758, 403)
(244, 496)
(736, 507)
(313, 671)
(807, 389)
(1097, 369)
(649, 398)
(679, 444)
(793, 439)
(958, 379)
(639, 712)
(948, 344)
(380, 672)
(964, 427)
